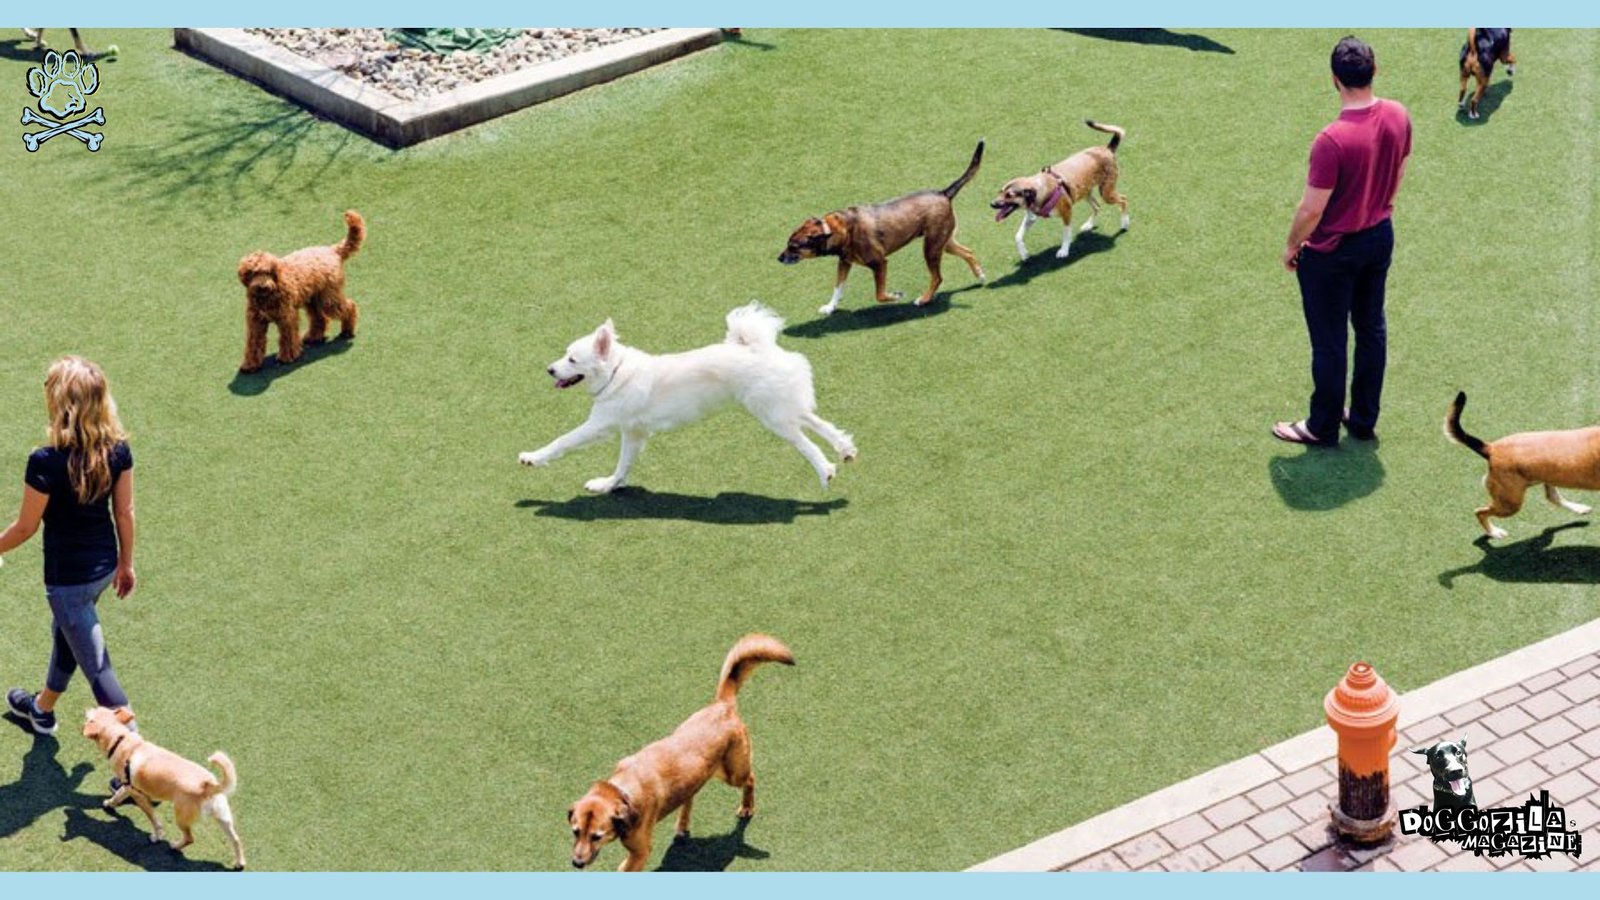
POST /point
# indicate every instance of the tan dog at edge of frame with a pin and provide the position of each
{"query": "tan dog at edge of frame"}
(647, 786)
(1556, 459)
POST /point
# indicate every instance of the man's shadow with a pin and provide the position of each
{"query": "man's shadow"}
(713, 854)
(256, 383)
(878, 315)
(1043, 262)
(43, 786)
(728, 508)
(1492, 98)
(1324, 478)
(1533, 560)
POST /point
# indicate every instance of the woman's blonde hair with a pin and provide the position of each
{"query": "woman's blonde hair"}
(83, 422)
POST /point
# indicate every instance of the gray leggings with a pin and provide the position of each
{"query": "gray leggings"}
(79, 642)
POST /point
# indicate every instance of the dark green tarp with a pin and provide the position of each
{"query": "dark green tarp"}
(449, 40)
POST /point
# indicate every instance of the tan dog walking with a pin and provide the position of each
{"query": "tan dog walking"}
(1056, 188)
(148, 772)
(1556, 459)
(647, 786)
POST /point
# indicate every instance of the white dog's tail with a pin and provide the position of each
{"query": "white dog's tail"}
(754, 325)
(230, 778)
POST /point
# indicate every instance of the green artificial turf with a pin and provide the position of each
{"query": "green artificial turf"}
(1070, 568)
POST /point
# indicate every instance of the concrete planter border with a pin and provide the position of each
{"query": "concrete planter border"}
(401, 123)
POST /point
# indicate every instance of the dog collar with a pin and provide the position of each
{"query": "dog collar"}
(613, 377)
(1055, 195)
(115, 744)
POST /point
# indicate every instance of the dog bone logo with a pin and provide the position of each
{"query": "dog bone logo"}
(62, 84)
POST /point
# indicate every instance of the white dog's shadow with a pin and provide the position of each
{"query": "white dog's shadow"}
(727, 508)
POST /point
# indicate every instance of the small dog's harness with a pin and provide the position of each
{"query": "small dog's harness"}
(127, 767)
(1055, 196)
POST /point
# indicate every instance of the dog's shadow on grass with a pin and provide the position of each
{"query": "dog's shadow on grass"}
(118, 835)
(1157, 37)
(723, 509)
(43, 786)
(1533, 560)
(1492, 98)
(878, 315)
(712, 854)
(1044, 262)
(1324, 478)
(256, 383)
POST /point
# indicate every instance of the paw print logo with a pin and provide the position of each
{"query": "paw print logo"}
(62, 84)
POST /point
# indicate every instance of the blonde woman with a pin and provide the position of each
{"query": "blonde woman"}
(80, 485)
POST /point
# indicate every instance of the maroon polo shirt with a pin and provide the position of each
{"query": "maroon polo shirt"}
(1360, 157)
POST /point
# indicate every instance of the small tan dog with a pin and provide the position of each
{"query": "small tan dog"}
(647, 786)
(1056, 188)
(148, 772)
(1556, 459)
(276, 289)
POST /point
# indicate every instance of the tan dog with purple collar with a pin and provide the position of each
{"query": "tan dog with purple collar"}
(1055, 189)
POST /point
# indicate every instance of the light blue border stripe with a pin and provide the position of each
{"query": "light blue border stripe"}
(928, 13)
(833, 886)
(893, 13)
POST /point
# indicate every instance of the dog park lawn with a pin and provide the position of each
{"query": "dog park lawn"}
(1071, 566)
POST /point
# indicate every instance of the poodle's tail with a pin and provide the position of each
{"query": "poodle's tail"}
(751, 651)
(356, 232)
(1453, 429)
(754, 325)
(230, 778)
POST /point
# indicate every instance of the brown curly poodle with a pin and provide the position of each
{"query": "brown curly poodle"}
(276, 288)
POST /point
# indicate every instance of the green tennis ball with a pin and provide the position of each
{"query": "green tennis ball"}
(111, 50)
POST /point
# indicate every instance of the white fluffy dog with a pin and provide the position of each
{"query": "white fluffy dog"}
(637, 394)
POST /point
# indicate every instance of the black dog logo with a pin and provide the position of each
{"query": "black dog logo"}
(1452, 786)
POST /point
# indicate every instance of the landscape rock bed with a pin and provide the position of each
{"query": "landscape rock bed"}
(407, 73)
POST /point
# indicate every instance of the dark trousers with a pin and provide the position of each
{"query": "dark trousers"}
(1342, 290)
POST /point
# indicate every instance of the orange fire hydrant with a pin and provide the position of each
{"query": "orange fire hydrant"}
(1362, 710)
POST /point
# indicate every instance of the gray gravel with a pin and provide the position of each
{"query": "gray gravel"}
(408, 74)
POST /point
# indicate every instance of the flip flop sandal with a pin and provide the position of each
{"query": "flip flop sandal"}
(1297, 433)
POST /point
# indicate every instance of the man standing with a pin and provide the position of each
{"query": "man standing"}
(1339, 245)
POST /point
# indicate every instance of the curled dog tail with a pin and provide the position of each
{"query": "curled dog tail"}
(230, 778)
(972, 169)
(754, 325)
(1453, 429)
(1117, 133)
(751, 651)
(355, 233)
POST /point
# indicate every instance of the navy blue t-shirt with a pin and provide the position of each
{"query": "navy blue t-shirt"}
(80, 541)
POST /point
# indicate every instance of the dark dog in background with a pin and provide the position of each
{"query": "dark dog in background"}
(867, 235)
(1484, 48)
(1452, 786)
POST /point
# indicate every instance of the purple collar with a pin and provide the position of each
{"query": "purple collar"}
(1050, 202)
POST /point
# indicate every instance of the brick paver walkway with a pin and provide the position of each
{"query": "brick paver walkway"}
(1269, 812)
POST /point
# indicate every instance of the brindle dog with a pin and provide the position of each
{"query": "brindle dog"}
(867, 235)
